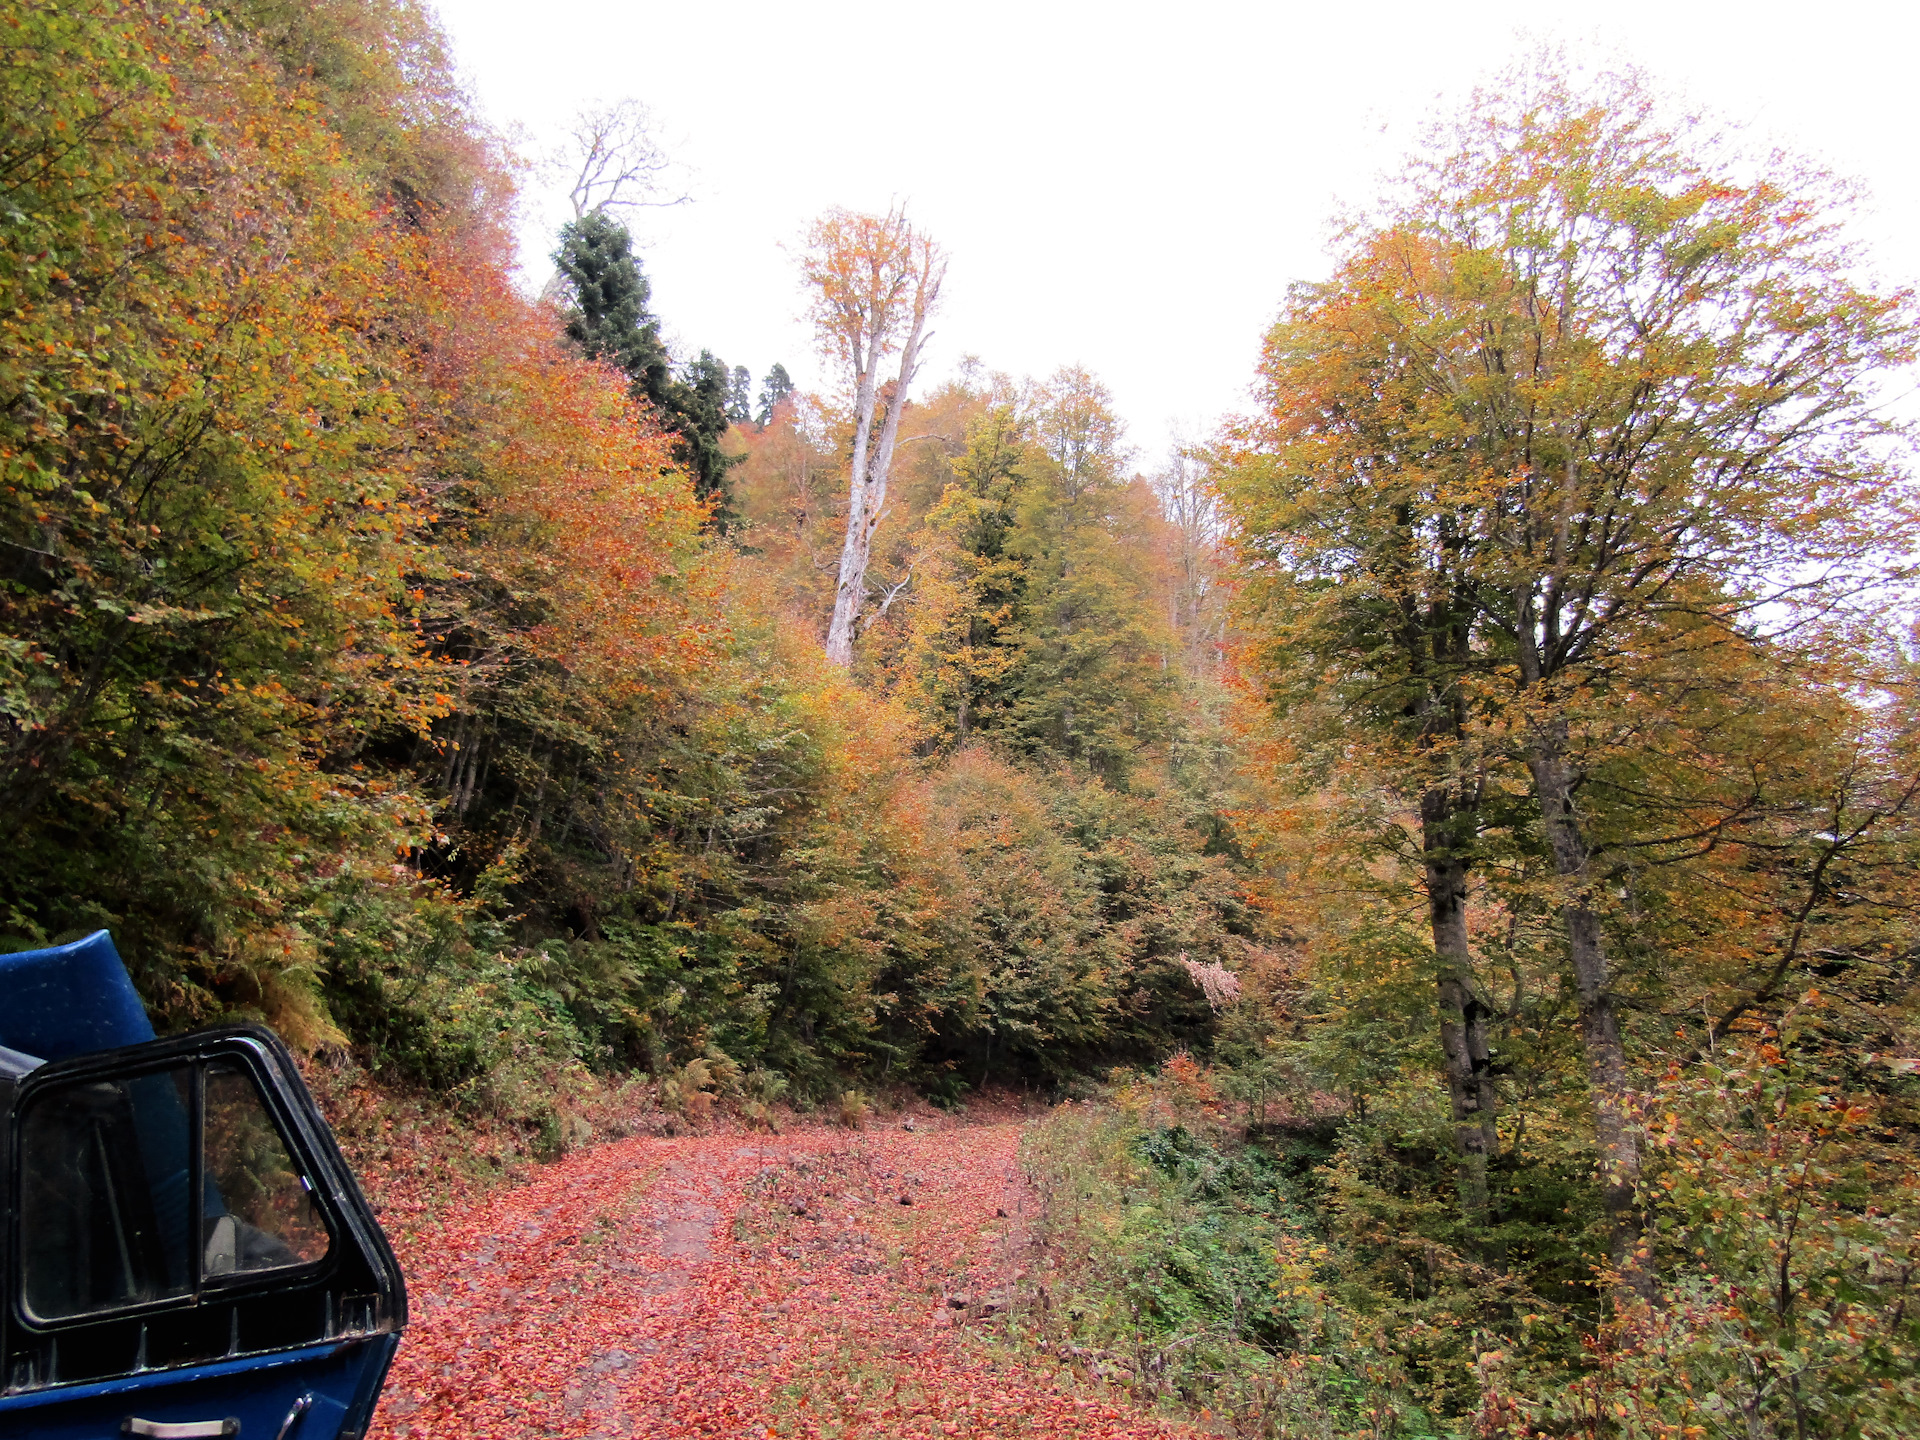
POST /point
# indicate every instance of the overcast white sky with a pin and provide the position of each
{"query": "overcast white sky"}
(1129, 187)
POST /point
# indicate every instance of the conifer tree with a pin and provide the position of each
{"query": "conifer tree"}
(740, 396)
(776, 387)
(1035, 621)
(702, 404)
(609, 320)
(1092, 684)
(965, 619)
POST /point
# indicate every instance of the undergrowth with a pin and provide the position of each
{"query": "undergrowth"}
(1188, 1266)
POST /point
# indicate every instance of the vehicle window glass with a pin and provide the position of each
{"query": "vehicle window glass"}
(260, 1212)
(103, 1200)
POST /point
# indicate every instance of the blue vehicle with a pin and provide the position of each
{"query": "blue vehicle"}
(185, 1252)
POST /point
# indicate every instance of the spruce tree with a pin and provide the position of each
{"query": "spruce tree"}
(609, 320)
(740, 396)
(1036, 622)
(701, 400)
(776, 387)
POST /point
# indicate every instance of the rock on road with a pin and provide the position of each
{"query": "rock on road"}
(739, 1286)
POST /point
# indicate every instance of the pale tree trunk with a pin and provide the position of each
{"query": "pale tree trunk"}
(870, 274)
(867, 490)
(1463, 1018)
(858, 545)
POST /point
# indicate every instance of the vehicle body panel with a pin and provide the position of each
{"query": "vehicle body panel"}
(184, 1249)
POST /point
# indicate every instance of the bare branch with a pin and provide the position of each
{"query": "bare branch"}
(616, 160)
(873, 617)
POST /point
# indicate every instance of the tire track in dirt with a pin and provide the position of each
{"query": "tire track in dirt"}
(738, 1286)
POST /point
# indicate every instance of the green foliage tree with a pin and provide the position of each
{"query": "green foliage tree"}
(1795, 1316)
(1093, 684)
(777, 386)
(964, 627)
(607, 316)
(608, 320)
(1083, 913)
(1576, 423)
(740, 396)
(1039, 621)
(702, 399)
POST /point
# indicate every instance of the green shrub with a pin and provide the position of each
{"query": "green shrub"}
(1189, 1271)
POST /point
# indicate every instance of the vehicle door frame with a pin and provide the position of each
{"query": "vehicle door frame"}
(359, 1249)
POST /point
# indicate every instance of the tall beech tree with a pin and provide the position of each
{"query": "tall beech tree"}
(1196, 598)
(1360, 583)
(1592, 396)
(874, 283)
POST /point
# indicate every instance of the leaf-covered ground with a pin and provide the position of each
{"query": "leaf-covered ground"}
(736, 1285)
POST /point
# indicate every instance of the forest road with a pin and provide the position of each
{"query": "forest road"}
(740, 1286)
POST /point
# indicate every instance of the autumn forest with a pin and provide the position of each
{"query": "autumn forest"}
(1444, 843)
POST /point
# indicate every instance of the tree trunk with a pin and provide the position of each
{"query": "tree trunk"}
(1463, 1019)
(867, 493)
(854, 551)
(1613, 1127)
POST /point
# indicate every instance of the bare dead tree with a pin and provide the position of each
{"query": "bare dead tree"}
(614, 160)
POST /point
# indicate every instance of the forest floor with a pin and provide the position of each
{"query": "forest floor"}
(818, 1283)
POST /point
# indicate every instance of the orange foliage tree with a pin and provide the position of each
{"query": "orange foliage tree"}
(1568, 486)
(874, 283)
(207, 503)
(297, 489)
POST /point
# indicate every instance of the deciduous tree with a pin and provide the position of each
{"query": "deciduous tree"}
(1197, 594)
(208, 517)
(613, 160)
(1590, 401)
(874, 281)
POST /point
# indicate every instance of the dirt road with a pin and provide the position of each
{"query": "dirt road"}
(823, 1283)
